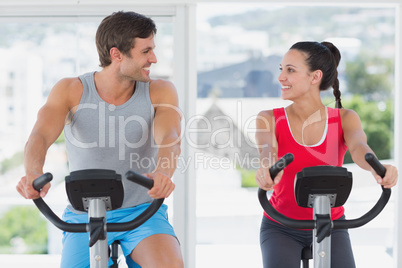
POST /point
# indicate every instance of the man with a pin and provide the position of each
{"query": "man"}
(116, 119)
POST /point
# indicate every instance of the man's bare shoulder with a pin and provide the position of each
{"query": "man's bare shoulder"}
(67, 90)
(162, 91)
(161, 84)
(69, 83)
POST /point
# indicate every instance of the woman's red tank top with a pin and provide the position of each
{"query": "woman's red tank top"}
(329, 151)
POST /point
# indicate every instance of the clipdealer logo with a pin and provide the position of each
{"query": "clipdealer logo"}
(222, 131)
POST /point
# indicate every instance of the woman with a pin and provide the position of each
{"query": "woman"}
(316, 135)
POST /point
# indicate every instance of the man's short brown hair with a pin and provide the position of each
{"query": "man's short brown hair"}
(120, 30)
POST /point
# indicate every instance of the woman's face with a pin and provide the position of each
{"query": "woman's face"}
(295, 76)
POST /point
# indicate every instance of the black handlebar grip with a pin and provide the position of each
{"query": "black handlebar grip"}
(280, 164)
(375, 164)
(41, 181)
(139, 179)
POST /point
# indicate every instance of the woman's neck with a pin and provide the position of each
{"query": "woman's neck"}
(303, 111)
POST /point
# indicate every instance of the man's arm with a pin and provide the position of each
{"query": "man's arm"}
(166, 133)
(48, 126)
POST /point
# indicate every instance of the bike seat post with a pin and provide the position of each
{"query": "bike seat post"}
(99, 255)
(322, 250)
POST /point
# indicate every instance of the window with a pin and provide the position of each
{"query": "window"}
(239, 51)
(35, 55)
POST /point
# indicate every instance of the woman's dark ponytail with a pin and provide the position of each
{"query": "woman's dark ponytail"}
(337, 58)
(337, 94)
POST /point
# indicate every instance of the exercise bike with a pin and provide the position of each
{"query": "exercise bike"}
(96, 191)
(320, 188)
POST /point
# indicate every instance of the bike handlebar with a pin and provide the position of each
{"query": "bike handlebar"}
(375, 164)
(280, 165)
(337, 224)
(41, 181)
(84, 227)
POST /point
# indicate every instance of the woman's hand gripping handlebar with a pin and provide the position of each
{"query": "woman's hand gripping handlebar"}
(280, 165)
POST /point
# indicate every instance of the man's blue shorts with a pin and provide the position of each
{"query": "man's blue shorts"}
(75, 253)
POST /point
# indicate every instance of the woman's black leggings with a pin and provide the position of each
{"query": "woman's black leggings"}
(281, 246)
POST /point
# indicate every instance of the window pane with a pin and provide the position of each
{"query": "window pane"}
(240, 47)
(34, 57)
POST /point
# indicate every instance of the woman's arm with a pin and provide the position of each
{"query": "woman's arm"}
(267, 148)
(356, 141)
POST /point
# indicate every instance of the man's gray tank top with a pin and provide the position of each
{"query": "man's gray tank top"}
(104, 136)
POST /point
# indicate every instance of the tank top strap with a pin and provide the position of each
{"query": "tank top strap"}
(335, 125)
(282, 131)
(87, 81)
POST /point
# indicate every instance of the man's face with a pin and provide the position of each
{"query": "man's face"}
(137, 64)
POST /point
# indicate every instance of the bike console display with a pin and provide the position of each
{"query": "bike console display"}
(332, 181)
(84, 185)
